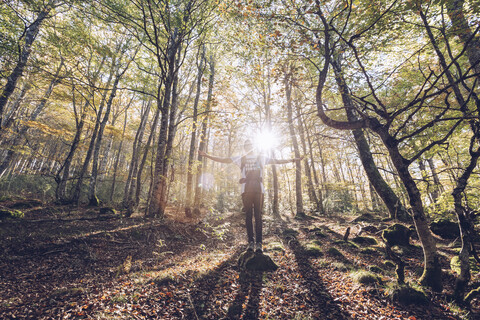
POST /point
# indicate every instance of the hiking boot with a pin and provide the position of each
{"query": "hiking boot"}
(258, 247)
(251, 246)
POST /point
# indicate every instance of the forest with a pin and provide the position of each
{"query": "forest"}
(119, 121)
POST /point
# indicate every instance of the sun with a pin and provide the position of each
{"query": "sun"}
(266, 140)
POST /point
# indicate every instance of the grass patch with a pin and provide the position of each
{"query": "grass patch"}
(365, 277)
(275, 246)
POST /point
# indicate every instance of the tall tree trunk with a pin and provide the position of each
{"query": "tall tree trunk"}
(63, 173)
(203, 135)
(437, 186)
(33, 116)
(191, 154)
(318, 185)
(461, 28)
(390, 199)
(466, 224)
(432, 272)
(288, 82)
(117, 159)
(311, 190)
(30, 34)
(13, 108)
(145, 156)
(132, 177)
(78, 187)
(92, 189)
(172, 128)
(157, 202)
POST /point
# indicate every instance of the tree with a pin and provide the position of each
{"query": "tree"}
(28, 37)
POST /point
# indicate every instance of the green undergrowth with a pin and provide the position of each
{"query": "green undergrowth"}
(365, 277)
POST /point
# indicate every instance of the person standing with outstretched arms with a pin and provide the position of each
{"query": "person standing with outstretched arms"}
(251, 166)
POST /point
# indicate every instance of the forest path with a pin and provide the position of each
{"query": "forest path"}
(134, 268)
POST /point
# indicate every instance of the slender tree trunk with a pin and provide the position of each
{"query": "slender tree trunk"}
(138, 188)
(92, 189)
(117, 159)
(432, 272)
(78, 187)
(30, 34)
(33, 116)
(172, 128)
(193, 143)
(390, 199)
(132, 177)
(311, 190)
(461, 28)
(157, 202)
(288, 82)
(437, 186)
(13, 108)
(466, 224)
(203, 135)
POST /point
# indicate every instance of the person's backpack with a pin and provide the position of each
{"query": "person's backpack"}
(253, 174)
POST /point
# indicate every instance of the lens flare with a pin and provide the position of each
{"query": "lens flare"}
(266, 139)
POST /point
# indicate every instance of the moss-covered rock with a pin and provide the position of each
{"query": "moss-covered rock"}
(365, 240)
(26, 204)
(6, 214)
(260, 262)
(256, 261)
(313, 249)
(334, 252)
(397, 234)
(389, 265)
(290, 233)
(365, 277)
(445, 229)
(375, 269)
(455, 264)
(107, 210)
(365, 217)
(347, 244)
(407, 295)
(369, 251)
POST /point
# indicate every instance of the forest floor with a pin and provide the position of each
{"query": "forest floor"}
(64, 262)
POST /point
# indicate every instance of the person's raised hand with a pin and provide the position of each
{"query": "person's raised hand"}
(202, 153)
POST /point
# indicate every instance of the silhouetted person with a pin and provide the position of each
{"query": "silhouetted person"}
(251, 165)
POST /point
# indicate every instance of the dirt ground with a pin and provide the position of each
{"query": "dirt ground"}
(63, 262)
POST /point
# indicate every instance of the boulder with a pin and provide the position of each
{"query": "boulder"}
(445, 229)
(256, 261)
(397, 234)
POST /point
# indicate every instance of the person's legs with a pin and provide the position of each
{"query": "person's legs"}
(248, 208)
(258, 208)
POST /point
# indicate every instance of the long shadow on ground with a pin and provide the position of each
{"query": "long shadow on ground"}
(205, 289)
(251, 284)
(327, 308)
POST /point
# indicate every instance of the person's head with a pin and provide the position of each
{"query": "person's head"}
(248, 145)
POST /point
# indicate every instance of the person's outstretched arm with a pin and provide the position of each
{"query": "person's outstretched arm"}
(217, 159)
(282, 161)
